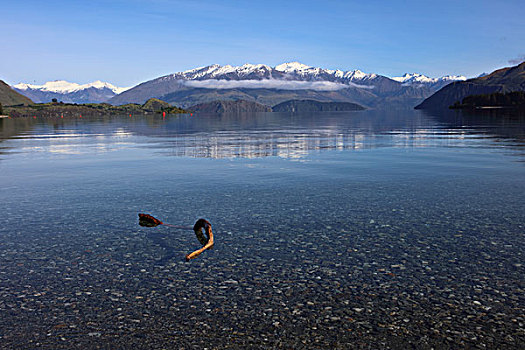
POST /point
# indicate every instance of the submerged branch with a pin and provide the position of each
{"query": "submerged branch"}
(207, 241)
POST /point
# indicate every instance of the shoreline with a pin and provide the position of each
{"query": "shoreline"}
(61, 110)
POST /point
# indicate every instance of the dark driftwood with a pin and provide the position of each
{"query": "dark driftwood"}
(148, 220)
(205, 238)
(206, 241)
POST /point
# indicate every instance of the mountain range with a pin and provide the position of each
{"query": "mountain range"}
(67, 92)
(502, 80)
(288, 81)
(423, 80)
(252, 82)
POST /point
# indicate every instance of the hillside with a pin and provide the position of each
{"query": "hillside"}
(315, 106)
(514, 99)
(9, 97)
(239, 106)
(502, 81)
(155, 104)
(268, 97)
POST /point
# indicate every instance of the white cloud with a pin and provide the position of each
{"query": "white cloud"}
(271, 84)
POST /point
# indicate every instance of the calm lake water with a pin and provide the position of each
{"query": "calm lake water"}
(373, 229)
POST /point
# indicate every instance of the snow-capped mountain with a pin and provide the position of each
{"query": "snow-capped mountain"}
(420, 79)
(62, 90)
(253, 82)
(63, 87)
(287, 71)
(271, 85)
(297, 71)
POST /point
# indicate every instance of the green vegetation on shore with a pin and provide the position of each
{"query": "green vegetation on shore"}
(514, 99)
(57, 109)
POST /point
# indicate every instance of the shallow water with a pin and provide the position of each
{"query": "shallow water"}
(374, 228)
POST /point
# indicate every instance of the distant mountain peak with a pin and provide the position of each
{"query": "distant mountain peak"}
(65, 87)
(416, 78)
(356, 74)
(249, 66)
(97, 91)
(453, 78)
(283, 71)
(292, 67)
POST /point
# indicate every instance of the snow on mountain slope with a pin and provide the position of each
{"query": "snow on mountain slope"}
(301, 72)
(358, 75)
(453, 78)
(65, 87)
(416, 78)
(292, 67)
(65, 91)
(291, 71)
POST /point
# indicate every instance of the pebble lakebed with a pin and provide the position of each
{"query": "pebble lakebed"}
(312, 274)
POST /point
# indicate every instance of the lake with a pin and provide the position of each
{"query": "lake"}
(370, 229)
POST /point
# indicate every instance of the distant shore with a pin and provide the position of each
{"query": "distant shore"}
(155, 106)
(486, 107)
(66, 110)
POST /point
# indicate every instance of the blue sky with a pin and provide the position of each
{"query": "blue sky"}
(131, 41)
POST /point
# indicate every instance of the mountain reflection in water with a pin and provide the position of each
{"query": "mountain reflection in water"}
(264, 134)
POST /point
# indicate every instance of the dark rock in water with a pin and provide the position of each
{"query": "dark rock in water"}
(147, 220)
(315, 106)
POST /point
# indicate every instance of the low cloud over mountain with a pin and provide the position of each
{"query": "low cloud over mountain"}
(272, 84)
